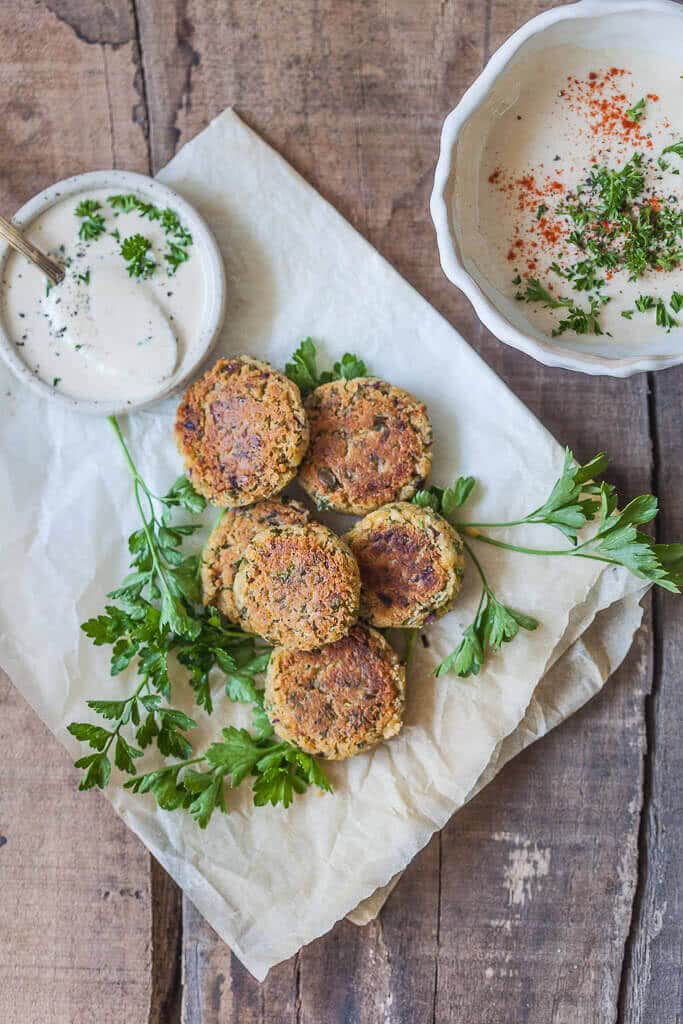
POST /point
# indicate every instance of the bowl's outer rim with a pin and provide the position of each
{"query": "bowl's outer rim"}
(451, 263)
(215, 284)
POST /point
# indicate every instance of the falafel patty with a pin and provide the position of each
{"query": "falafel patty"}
(371, 443)
(411, 564)
(228, 541)
(338, 700)
(242, 431)
(297, 586)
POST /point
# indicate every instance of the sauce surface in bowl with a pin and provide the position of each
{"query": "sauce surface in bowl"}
(578, 189)
(129, 309)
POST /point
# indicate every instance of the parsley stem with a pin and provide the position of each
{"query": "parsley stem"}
(573, 552)
(477, 563)
(124, 717)
(138, 482)
(491, 526)
(482, 576)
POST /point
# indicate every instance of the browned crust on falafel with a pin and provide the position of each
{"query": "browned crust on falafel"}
(297, 586)
(242, 431)
(411, 565)
(339, 700)
(371, 443)
(229, 540)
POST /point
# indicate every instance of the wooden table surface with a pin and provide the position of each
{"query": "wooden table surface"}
(353, 93)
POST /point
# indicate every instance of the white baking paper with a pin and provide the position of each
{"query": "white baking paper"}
(581, 670)
(270, 880)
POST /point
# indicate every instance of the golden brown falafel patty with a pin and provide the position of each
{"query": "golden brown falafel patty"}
(411, 564)
(228, 542)
(371, 443)
(242, 431)
(338, 700)
(297, 586)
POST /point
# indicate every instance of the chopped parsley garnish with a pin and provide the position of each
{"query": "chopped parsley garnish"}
(663, 317)
(138, 258)
(540, 210)
(619, 226)
(92, 225)
(179, 238)
(635, 112)
(135, 251)
(580, 320)
(676, 147)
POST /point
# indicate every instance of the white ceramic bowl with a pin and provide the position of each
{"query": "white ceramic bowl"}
(205, 245)
(651, 25)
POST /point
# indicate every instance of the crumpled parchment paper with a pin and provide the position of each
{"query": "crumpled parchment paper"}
(266, 879)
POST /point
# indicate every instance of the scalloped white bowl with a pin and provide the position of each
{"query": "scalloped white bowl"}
(651, 25)
(213, 313)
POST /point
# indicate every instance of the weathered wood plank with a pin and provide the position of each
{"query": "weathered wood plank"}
(653, 982)
(75, 917)
(75, 908)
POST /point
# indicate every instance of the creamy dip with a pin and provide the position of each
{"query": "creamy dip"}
(551, 118)
(103, 334)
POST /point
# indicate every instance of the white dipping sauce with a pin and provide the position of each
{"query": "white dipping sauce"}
(102, 334)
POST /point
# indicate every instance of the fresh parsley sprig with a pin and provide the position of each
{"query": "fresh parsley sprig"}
(303, 369)
(279, 769)
(577, 499)
(572, 503)
(156, 615)
(494, 622)
(157, 562)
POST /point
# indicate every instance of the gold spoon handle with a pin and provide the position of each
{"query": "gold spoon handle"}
(15, 238)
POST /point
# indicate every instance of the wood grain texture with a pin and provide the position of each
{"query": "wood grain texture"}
(652, 987)
(75, 913)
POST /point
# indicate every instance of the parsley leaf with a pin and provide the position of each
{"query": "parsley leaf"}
(577, 499)
(635, 112)
(135, 251)
(303, 369)
(494, 625)
(279, 769)
(662, 316)
(92, 225)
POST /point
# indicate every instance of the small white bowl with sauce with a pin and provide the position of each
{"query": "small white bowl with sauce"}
(508, 128)
(118, 333)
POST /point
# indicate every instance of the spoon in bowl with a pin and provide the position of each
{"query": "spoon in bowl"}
(16, 240)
